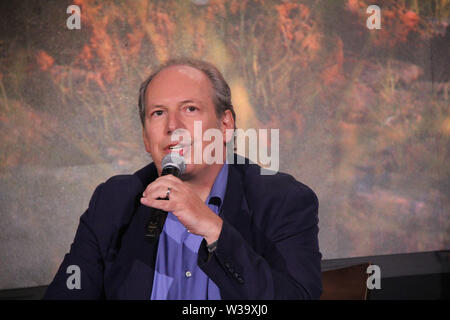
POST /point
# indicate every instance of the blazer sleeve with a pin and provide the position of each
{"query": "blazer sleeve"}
(86, 256)
(284, 263)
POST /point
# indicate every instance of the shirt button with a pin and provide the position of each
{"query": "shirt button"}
(188, 274)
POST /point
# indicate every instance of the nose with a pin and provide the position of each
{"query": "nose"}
(173, 122)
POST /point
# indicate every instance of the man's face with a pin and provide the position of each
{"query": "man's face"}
(175, 98)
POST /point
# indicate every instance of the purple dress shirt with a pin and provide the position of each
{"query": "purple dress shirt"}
(177, 275)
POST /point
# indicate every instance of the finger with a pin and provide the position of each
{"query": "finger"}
(168, 180)
(169, 176)
(158, 204)
(157, 184)
(159, 191)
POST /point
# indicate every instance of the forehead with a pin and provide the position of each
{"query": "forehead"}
(179, 83)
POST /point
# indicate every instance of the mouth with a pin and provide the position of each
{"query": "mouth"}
(175, 148)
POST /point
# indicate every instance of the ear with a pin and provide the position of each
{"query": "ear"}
(227, 123)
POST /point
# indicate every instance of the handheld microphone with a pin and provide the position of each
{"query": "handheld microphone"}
(173, 164)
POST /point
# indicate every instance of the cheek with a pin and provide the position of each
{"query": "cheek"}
(150, 140)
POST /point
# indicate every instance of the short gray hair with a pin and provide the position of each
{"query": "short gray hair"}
(222, 93)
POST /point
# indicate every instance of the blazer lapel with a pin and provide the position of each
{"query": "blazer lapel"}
(235, 209)
(131, 275)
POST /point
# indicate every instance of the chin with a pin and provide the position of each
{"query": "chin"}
(190, 171)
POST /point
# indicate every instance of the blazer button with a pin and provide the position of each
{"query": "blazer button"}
(236, 275)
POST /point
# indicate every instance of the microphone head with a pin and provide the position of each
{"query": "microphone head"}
(174, 159)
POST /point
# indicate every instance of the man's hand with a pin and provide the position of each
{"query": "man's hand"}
(190, 210)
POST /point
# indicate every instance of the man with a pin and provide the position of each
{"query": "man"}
(230, 232)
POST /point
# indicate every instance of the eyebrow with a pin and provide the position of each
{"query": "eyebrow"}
(153, 106)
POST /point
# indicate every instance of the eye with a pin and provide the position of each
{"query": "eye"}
(191, 108)
(157, 113)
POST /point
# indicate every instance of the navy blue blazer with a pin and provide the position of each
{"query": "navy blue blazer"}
(268, 247)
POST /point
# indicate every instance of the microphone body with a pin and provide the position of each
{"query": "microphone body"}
(173, 164)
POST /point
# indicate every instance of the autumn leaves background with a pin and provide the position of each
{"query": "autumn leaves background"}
(363, 114)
